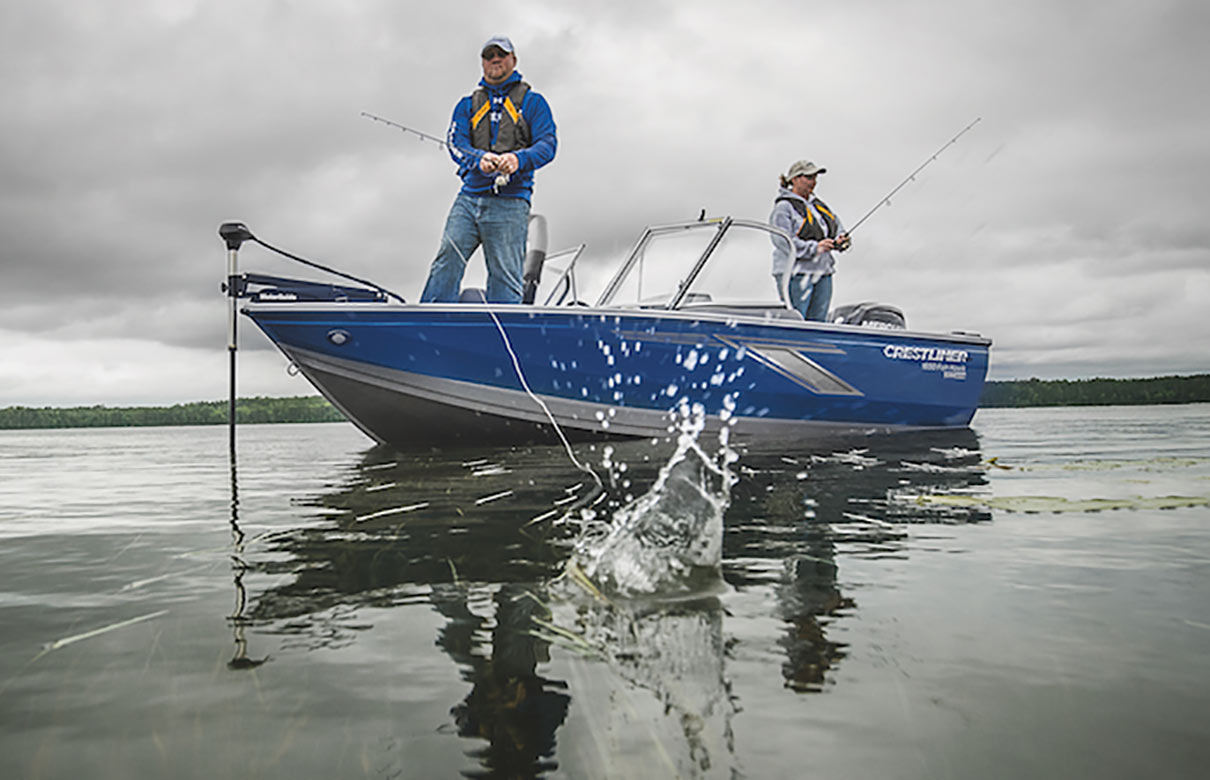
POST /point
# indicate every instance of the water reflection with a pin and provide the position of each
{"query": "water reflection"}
(239, 568)
(794, 513)
(475, 537)
(400, 525)
(403, 529)
(676, 652)
(510, 706)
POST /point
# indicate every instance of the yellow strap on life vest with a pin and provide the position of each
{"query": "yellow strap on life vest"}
(482, 112)
(512, 110)
(805, 219)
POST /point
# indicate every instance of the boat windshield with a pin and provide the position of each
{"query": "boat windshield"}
(721, 262)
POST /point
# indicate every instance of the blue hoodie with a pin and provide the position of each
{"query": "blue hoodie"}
(540, 151)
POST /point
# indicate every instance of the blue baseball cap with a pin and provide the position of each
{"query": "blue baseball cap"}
(498, 40)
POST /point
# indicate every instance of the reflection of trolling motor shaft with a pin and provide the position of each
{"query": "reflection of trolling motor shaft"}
(501, 178)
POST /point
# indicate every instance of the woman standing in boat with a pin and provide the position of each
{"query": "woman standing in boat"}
(817, 232)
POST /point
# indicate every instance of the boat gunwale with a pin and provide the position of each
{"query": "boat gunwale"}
(513, 309)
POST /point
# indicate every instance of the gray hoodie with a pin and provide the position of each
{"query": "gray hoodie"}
(786, 218)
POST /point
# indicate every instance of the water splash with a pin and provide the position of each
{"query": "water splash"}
(638, 593)
(668, 541)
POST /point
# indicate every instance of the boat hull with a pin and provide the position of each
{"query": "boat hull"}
(432, 374)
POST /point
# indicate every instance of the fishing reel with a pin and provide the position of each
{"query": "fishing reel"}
(842, 242)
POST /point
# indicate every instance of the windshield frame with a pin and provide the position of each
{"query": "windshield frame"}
(684, 288)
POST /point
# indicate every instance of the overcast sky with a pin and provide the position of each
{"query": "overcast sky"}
(1068, 225)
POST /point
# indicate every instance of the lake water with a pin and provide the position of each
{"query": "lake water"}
(1027, 599)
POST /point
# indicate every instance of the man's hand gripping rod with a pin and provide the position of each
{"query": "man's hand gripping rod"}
(501, 178)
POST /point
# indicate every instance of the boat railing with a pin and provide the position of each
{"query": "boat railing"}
(565, 285)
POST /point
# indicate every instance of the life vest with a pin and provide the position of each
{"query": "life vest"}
(811, 229)
(513, 131)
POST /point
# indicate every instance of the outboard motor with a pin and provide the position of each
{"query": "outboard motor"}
(869, 314)
(535, 256)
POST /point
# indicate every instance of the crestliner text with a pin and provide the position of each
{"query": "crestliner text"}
(925, 354)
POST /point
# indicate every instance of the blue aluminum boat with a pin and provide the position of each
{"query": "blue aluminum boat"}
(692, 318)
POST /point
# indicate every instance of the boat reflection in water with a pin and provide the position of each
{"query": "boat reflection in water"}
(479, 539)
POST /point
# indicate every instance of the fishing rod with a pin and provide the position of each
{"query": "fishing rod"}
(422, 135)
(886, 199)
(501, 178)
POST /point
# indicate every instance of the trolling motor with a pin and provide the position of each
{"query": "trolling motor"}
(235, 234)
(238, 285)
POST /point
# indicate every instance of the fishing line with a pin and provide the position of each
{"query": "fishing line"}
(521, 376)
(525, 385)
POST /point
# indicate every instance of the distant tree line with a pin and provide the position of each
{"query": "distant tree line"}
(297, 409)
(1097, 392)
(247, 410)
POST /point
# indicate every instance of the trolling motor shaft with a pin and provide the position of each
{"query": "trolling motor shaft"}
(234, 234)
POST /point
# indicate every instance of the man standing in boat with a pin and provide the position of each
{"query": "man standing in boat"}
(816, 231)
(499, 136)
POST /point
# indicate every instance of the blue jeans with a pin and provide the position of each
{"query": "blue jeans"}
(811, 300)
(501, 225)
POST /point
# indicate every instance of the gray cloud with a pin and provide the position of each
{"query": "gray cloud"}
(1066, 225)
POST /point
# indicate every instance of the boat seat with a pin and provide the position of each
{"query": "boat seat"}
(472, 295)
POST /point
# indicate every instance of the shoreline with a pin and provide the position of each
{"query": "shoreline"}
(1017, 393)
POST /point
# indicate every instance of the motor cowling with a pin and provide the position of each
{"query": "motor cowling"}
(869, 314)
